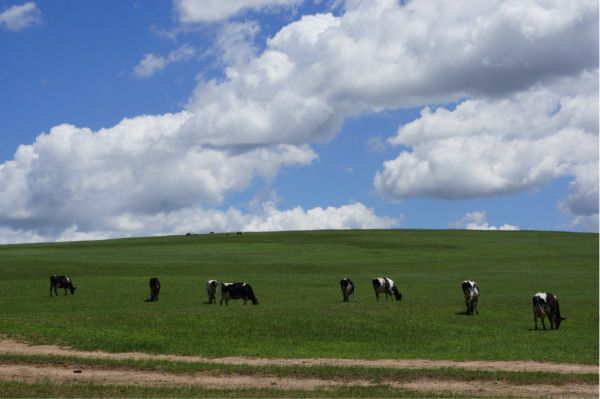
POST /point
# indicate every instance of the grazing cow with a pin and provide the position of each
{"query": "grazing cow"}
(385, 285)
(546, 305)
(61, 282)
(154, 288)
(347, 289)
(211, 290)
(237, 291)
(471, 292)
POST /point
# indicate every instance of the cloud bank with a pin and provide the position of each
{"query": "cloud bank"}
(478, 221)
(181, 221)
(74, 176)
(489, 147)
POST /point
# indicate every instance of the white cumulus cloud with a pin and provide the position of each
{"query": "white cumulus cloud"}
(352, 216)
(19, 17)
(488, 147)
(151, 63)
(200, 220)
(74, 176)
(378, 55)
(203, 11)
(478, 221)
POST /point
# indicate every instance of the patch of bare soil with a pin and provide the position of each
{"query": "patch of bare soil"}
(10, 346)
(479, 388)
(107, 376)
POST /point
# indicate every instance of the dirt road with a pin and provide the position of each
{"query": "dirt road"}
(10, 346)
(107, 375)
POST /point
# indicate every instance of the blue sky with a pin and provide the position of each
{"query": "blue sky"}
(145, 118)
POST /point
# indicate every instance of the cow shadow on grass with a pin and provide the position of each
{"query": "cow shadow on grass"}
(464, 313)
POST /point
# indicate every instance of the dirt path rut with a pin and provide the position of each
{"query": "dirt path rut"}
(65, 374)
(107, 375)
(13, 347)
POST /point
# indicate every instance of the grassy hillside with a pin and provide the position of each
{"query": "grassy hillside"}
(295, 276)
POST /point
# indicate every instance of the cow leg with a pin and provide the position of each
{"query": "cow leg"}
(551, 323)
(377, 296)
(65, 290)
(50, 289)
(477, 307)
(543, 323)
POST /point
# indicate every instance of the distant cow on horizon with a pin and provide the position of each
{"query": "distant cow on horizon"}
(154, 289)
(347, 286)
(471, 293)
(61, 282)
(545, 304)
(211, 290)
(384, 285)
(237, 291)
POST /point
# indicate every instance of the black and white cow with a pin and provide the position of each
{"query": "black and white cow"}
(61, 282)
(545, 305)
(471, 293)
(347, 286)
(237, 291)
(384, 285)
(154, 289)
(211, 290)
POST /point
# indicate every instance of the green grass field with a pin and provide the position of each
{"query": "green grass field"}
(296, 278)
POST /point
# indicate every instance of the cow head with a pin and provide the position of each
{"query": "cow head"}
(254, 301)
(72, 289)
(397, 293)
(557, 319)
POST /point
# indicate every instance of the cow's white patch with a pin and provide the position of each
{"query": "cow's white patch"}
(472, 290)
(390, 282)
(542, 295)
